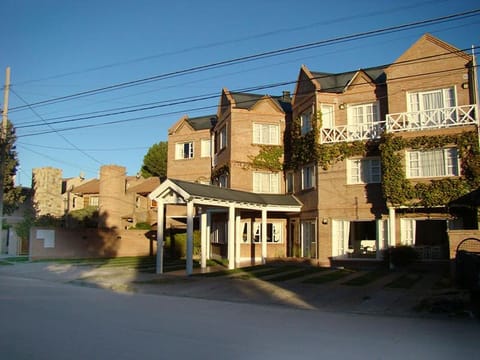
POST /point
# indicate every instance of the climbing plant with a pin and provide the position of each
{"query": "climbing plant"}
(269, 158)
(398, 190)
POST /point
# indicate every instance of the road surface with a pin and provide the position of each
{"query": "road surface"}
(51, 320)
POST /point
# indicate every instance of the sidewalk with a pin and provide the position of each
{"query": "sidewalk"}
(373, 298)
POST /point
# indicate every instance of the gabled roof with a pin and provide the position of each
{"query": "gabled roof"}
(202, 122)
(201, 192)
(89, 187)
(248, 100)
(336, 83)
(145, 187)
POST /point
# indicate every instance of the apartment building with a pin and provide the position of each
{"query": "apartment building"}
(391, 146)
(373, 156)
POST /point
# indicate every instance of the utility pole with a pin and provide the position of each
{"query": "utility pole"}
(3, 145)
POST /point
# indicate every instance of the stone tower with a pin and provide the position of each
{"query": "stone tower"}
(112, 202)
(47, 191)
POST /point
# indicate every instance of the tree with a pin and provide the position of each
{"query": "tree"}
(12, 195)
(155, 161)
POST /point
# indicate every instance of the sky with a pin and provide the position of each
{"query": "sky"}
(98, 82)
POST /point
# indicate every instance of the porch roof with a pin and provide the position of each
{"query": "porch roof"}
(217, 196)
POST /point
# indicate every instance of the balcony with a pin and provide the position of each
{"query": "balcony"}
(406, 121)
(345, 133)
(432, 119)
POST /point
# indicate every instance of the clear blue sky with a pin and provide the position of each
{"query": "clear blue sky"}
(63, 47)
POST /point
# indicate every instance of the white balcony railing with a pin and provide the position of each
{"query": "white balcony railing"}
(406, 121)
(346, 133)
(432, 119)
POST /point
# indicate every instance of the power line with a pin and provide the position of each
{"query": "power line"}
(257, 36)
(249, 58)
(210, 96)
(57, 131)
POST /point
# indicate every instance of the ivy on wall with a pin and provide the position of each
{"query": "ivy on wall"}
(398, 190)
(268, 158)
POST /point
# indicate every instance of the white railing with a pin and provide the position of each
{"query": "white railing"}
(346, 133)
(432, 119)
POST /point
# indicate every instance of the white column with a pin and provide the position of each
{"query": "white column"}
(160, 236)
(203, 233)
(391, 227)
(207, 232)
(231, 237)
(238, 238)
(189, 238)
(264, 236)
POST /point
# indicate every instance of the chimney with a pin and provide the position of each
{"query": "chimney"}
(286, 96)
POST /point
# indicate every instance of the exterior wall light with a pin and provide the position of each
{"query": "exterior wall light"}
(341, 106)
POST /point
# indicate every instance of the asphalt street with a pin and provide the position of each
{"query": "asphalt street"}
(43, 319)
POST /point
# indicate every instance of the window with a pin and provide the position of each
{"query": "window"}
(306, 122)
(267, 134)
(308, 177)
(328, 121)
(221, 139)
(274, 232)
(93, 201)
(265, 182)
(205, 147)
(289, 182)
(363, 171)
(363, 114)
(309, 242)
(433, 163)
(223, 181)
(431, 100)
(184, 150)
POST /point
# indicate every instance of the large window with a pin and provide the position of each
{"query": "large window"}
(433, 163)
(431, 100)
(328, 120)
(267, 134)
(265, 182)
(308, 177)
(184, 150)
(306, 122)
(205, 148)
(309, 239)
(363, 171)
(274, 232)
(363, 114)
(221, 139)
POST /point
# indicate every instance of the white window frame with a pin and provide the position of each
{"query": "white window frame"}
(266, 134)
(415, 168)
(222, 138)
(407, 231)
(290, 182)
(275, 228)
(266, 182)
(308, 177)
(370, 114)
(364, 171)
(181, 154)
(206, 148)
(93, 201)
(416, 99)
(328, 116)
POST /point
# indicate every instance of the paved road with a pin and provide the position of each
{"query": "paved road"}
(49, 320)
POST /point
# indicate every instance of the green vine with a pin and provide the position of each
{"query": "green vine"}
(217, 173)
(268, 158)
(398, 190)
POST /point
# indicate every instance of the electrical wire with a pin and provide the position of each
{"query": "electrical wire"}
(248, 58)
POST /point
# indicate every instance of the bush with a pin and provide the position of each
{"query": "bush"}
(400, 256)
(142, 226)
(176, 243)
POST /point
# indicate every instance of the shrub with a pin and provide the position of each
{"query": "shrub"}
(176, 243)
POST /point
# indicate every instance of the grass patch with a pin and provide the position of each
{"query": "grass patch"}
(366, 278)
(331, 276)
(296, 274)
(405, 281)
